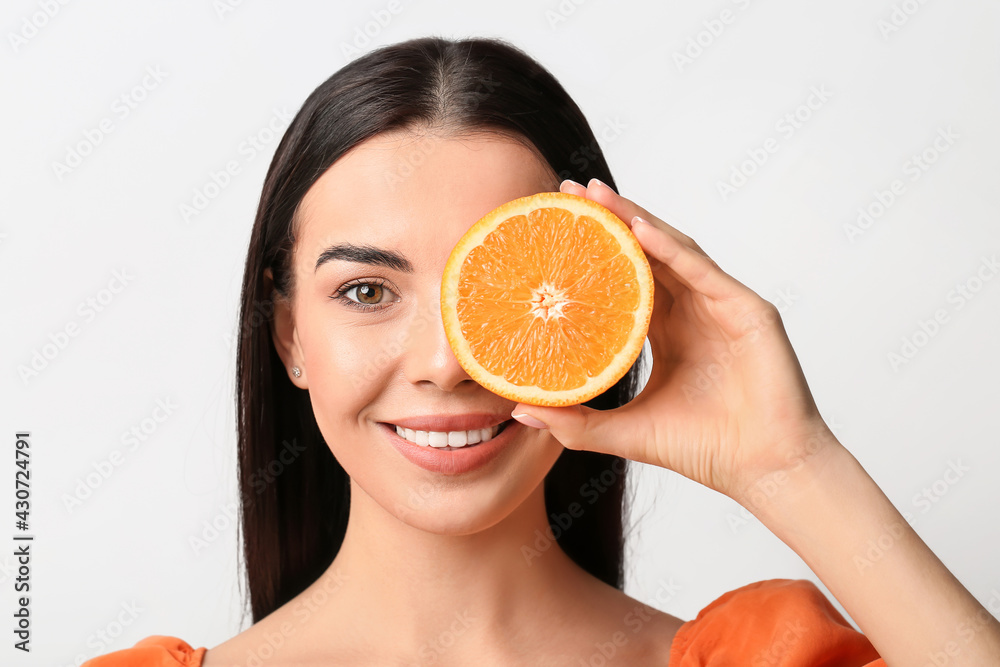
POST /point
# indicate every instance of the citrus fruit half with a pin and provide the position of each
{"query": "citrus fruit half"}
(546, 300)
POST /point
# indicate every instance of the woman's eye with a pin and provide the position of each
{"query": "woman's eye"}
(369, 295)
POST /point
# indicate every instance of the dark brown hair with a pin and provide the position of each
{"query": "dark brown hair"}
(294, 494)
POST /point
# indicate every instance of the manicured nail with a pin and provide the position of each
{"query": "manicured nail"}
(567, 180)
(528, 420)
(599, 182)
(636, 219)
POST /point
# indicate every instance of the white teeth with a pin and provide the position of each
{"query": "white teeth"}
(449, 439)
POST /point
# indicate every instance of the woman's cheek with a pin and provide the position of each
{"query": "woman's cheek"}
(347, 365)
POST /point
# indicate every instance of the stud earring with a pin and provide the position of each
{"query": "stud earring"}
(296, 372)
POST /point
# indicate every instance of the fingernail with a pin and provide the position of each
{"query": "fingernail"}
(528, 420)
(571, 181)
(599, 182)
(636, 219)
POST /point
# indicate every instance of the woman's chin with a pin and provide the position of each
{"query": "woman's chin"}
(455, 512)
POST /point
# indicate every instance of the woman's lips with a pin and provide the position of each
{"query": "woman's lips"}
(499, 427)
(452, 460)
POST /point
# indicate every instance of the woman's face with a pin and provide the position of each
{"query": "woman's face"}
(413, 196)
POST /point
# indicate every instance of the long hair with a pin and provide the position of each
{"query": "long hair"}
(294, 495)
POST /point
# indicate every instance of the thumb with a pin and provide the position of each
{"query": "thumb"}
(575, 426)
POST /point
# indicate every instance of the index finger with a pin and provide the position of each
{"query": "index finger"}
(625, 209)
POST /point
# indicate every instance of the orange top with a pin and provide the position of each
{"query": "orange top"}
(777, 622)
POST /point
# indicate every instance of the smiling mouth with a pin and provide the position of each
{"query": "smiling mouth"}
(452, 440)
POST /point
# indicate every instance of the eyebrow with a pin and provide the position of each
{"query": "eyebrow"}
(364, 254)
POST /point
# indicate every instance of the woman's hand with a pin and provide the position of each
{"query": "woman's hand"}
(726, 404)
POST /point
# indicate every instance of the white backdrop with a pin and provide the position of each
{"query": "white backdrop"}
(841, 159)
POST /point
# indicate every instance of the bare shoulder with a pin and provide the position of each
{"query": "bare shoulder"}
(255, 645)
(232, 651)
(286, 636)
(603, 625)
(637, 633)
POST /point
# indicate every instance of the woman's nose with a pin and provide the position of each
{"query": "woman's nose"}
(428, 357)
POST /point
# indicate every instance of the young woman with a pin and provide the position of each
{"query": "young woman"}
(356, 555)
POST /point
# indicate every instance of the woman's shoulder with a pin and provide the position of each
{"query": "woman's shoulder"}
(153, 651)
(775, 621)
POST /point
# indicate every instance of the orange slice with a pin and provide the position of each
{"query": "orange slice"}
(546, 300)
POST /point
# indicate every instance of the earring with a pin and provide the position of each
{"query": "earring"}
(296, 372)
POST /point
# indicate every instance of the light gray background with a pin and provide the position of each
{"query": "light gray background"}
(670, 133)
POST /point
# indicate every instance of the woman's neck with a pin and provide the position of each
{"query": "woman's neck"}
(404, 587)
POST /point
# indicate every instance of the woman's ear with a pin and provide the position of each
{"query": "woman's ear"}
(283, 333)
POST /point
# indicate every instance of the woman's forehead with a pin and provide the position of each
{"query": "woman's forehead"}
(405, 187)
